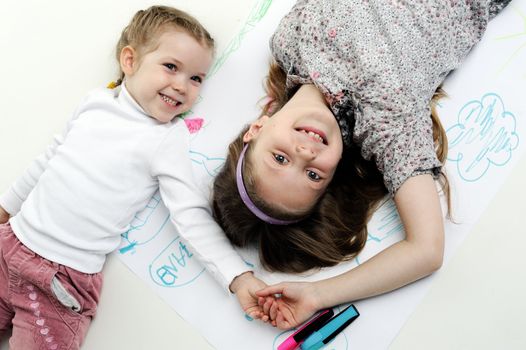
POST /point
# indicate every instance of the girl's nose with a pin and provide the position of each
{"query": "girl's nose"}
(179, 83)
(306, 152)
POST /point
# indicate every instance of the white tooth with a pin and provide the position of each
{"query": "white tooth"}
(169, 100)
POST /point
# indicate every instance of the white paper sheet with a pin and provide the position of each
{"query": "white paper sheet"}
(483, 117)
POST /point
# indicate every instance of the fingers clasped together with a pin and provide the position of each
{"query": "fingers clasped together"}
(284, 305)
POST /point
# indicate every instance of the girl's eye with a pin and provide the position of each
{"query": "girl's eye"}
(170, 66)
(197, 79)
(313, 176)
(280, 159)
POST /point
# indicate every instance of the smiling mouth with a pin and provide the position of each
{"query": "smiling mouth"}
(315, 135)
(170, 101)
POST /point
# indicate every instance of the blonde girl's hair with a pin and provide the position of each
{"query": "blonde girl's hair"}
(335, 229)
(146, 26)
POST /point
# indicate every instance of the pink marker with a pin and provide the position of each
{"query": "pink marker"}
(307, 329)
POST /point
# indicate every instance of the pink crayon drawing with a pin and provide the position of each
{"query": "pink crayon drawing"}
(194, 124)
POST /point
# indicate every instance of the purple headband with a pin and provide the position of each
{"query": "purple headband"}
(246, 199)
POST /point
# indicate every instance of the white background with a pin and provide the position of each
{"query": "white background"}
(54, 52)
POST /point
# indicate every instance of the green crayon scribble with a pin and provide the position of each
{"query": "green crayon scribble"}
(257, 13)
(513, 36)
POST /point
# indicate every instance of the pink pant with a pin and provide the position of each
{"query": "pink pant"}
(49, 306)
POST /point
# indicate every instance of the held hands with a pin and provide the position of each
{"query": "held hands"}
(297, 302)
(245, 287)
(4, 216)
(286, 305)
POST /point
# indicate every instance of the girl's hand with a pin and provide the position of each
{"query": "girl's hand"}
(296, 303)
(4, 216)
(245, 287)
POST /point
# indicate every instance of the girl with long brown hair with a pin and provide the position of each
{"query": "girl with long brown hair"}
(350, 118)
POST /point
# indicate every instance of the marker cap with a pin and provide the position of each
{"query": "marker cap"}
(288, 344)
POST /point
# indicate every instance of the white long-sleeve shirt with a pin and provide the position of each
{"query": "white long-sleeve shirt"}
(74, 201)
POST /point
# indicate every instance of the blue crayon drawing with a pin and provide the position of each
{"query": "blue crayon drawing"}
(385, 226)
(485, 135)
(211, 165)
(389, 224)
(175, 266)
(137, 235)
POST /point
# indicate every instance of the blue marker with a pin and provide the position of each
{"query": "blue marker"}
(331, 329)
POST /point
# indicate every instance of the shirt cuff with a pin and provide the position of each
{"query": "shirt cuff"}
(11, 202)
(227, 270)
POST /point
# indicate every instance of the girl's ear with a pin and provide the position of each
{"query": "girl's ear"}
(255, 128)
(128, 60)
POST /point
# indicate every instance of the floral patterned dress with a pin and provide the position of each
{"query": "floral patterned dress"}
(378, 64)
